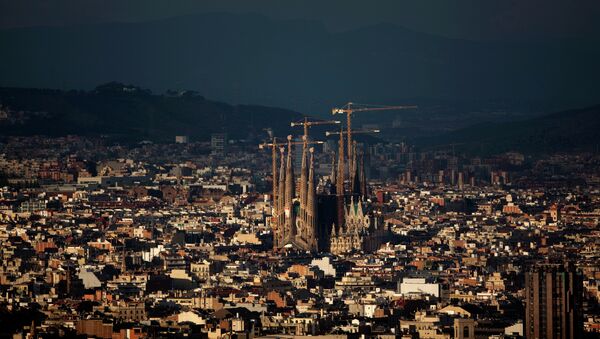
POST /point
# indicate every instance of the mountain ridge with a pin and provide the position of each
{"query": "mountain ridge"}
(133, 113)
(243, 58)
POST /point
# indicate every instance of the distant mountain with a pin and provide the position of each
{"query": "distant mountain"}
(243, 58)
(131, 113)
(572, 130)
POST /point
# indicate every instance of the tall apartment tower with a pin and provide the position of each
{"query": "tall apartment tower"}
(553, 302)
(218, 143)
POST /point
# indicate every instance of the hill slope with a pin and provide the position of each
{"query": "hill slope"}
(572, 130)
(132, 113)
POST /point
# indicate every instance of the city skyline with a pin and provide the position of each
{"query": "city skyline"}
(299, 169)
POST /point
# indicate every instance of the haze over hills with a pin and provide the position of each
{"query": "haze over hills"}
(242, 58)
(565, 131)
(130, 113)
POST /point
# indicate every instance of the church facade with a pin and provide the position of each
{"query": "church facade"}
(347, 223)
(361, 231)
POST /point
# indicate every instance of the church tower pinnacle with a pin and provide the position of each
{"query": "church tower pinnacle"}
(303, 173)
(289, 193)
(311, 207)
(280, 237)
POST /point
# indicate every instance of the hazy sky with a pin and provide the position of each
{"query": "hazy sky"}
(473, 19)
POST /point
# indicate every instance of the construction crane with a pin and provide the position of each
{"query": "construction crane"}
(308, 124)
(274, 144)
(360, 131)
(352, 107)
(341, 170)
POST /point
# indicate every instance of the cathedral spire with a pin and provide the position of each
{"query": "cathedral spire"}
(355, 177)
(333, 170)
(280, 236)
(289, 191)
(363, 177)
(311, 206)
(303, 175)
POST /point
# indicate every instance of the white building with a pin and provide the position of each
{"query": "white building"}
(324, 264)
(419, 286)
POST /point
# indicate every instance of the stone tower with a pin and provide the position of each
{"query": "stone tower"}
(296, 215)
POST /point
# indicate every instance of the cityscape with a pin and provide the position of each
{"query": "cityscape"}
(141, 211)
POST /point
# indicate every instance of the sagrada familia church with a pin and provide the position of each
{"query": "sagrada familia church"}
(335, 217)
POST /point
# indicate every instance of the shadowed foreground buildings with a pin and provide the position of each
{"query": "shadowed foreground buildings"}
(553, 302)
